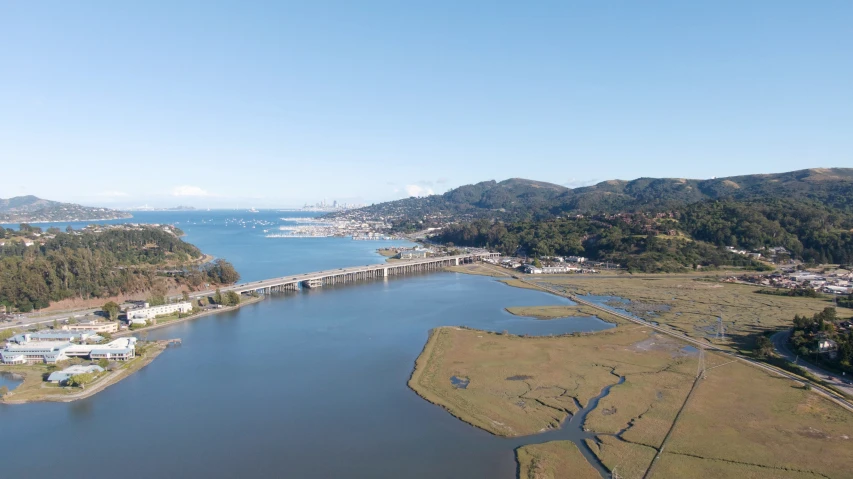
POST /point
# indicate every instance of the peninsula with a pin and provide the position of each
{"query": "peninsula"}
(31, 209)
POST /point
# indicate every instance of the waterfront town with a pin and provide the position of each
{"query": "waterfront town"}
(828, 281)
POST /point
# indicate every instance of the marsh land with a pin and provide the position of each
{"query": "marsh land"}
(716, 416)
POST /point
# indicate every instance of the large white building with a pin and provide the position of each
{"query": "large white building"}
(140, 315)
(52, 335)
(96, 326)
(51, 352)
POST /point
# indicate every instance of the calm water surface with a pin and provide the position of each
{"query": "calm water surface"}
(309, 384)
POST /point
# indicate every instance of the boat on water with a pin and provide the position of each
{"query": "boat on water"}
(252, 210)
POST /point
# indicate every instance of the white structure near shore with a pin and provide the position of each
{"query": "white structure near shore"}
(145, 313)
(66, 374)
(95, 326)
(24, 350)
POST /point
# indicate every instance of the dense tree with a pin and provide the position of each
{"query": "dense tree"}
(101, 265)
(112, 310)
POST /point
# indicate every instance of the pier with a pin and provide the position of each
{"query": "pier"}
(352, 274)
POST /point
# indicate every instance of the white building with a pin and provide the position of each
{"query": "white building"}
(140, 315)
(558, 269)
(837, 289)
(575, 259)
(52, 352)
(65, 374)
(53, 336)
(412, 254)
(530, 269)
(49, 352)
(96, 326)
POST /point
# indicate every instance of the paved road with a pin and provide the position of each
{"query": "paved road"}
(255, 285)
(27, 322)
(823, 391)
(780, 342)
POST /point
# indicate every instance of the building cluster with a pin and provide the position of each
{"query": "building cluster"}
(52, 347)
(418, 252)
(60, 377)
(776, 254)
(553, 265)
(142, 313)
(835, 282)
(333, 206)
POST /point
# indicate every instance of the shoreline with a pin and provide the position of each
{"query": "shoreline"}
(113, 377)
(17, 222)
(202, 314)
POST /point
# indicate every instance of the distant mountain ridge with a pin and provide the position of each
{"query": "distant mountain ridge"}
(516, 197)
(32, 209)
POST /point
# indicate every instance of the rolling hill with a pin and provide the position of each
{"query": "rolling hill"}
(31, 209)
(518, 198)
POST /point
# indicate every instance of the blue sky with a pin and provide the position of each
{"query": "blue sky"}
(269, 104)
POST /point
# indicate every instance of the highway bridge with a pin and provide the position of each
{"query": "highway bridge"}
(352, 274)
(296, 282)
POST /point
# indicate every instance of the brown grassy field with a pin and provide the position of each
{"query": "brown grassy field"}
(745, 416)
(691, 305)
(553, 460)
(671, 465)
(520, 386)
(739, 422)
(630, 460)
(559, 311)
(478, 269)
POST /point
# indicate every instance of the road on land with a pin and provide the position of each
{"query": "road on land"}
(780, 343)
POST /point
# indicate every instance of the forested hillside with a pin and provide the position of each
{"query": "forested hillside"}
(99, 265)
(683, 238)
(518, 199)
(648, 224)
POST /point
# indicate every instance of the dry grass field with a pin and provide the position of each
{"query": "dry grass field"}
(690, 305)
(478, 269)
(561, 311)
(743, 416)
(740, 422)
(630, 460)
(553, 460)
(520, 386)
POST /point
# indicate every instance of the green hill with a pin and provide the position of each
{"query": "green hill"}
(31, 209)
(648, 224)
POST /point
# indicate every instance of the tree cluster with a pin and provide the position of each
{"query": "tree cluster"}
(100, 265)
(809, 331)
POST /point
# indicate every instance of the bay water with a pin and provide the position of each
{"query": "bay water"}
(301, 384)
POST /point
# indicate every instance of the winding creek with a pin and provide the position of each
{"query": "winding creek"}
(572, 430)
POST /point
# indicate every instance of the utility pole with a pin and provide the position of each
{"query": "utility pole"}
(721, 329)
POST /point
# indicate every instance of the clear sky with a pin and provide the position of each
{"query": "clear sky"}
(214, 103)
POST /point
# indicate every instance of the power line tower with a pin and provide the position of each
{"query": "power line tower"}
(700, 369)
(721, 328)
